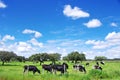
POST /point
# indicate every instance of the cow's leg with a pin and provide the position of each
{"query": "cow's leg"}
(24, 71)
(54, 71)
(34, 72)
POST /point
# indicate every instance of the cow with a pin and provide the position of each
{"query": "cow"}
(32, 68)
(82, 68)
(79, 67)
(97, 63)
(62, 68)
(102, 63)
(97, 67)
(87, 64)
(47, 67)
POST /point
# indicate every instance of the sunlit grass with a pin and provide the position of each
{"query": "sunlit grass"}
(14, 71)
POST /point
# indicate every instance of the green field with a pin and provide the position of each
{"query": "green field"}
(14, 71)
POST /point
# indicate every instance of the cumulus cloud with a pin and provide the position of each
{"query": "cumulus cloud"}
(112, 39)
(36, 33)
(113, 35)
(8, 37)
(74, 13)
(23, 47)
(2, 5)
(34, 42)
(93, 23)
(113, 24)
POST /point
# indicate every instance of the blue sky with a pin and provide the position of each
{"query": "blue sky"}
(62, 26)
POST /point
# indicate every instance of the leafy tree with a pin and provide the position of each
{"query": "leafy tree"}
(65, 58)
(54, 57)
(44, 56)
(82, 57)
(76, 56)
(100, 58)
(35, 57)
(41, 57)
(20, 58)
(6, 56)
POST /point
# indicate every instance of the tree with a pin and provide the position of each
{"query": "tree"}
(65, 58)
(20, 58)
(76, 56)
(54, 57)
(100, 58)
(82, 57)
(6, 56)
(41, 57)
(44, 56)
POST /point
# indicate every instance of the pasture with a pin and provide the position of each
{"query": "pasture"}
(14, 71)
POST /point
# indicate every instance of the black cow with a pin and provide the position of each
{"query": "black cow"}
(102, 63)
(87, 64)
(32, 68)
(80, 68)
(47, 67)
(98, 67)
(97, 63)
(62, 68)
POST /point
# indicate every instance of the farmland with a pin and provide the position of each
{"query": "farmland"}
(14, 71)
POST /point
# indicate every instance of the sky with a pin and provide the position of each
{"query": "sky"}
(91, 27)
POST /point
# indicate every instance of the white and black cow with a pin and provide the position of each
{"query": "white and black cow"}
(103, 63)
(79, 67)
(62, 68)
(97, 63)
(47, 67)
(97, 67)
(32, 68)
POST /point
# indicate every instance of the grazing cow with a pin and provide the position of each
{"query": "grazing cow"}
(76, 66)
(87, 64)
(98, 67)
(102, 63)
(97, 63)
(47, 67)
(62, 68)
(80, 68)
(32, 68)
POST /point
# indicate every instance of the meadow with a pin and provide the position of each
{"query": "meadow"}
(14, 71)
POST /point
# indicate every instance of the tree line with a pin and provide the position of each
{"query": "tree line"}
(74, 57)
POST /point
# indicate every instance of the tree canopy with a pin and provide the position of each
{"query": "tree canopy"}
(100, 58)
(75, 56)
(6, 56)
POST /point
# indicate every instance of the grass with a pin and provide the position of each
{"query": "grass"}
(14, 71)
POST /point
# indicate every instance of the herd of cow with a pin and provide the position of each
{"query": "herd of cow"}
(52, 68)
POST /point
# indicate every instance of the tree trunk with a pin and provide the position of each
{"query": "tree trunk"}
(75, 61)
(2, 63)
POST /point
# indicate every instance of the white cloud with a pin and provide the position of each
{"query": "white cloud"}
(36, 33)
(28, 31)
(74, 13)
(24, 47)
(93, 23)
(2, 5)
(8, 37)
(108, 47)
(113, 24)
(112, 36)
(21, 48)
(35, 42)
(112, 39)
